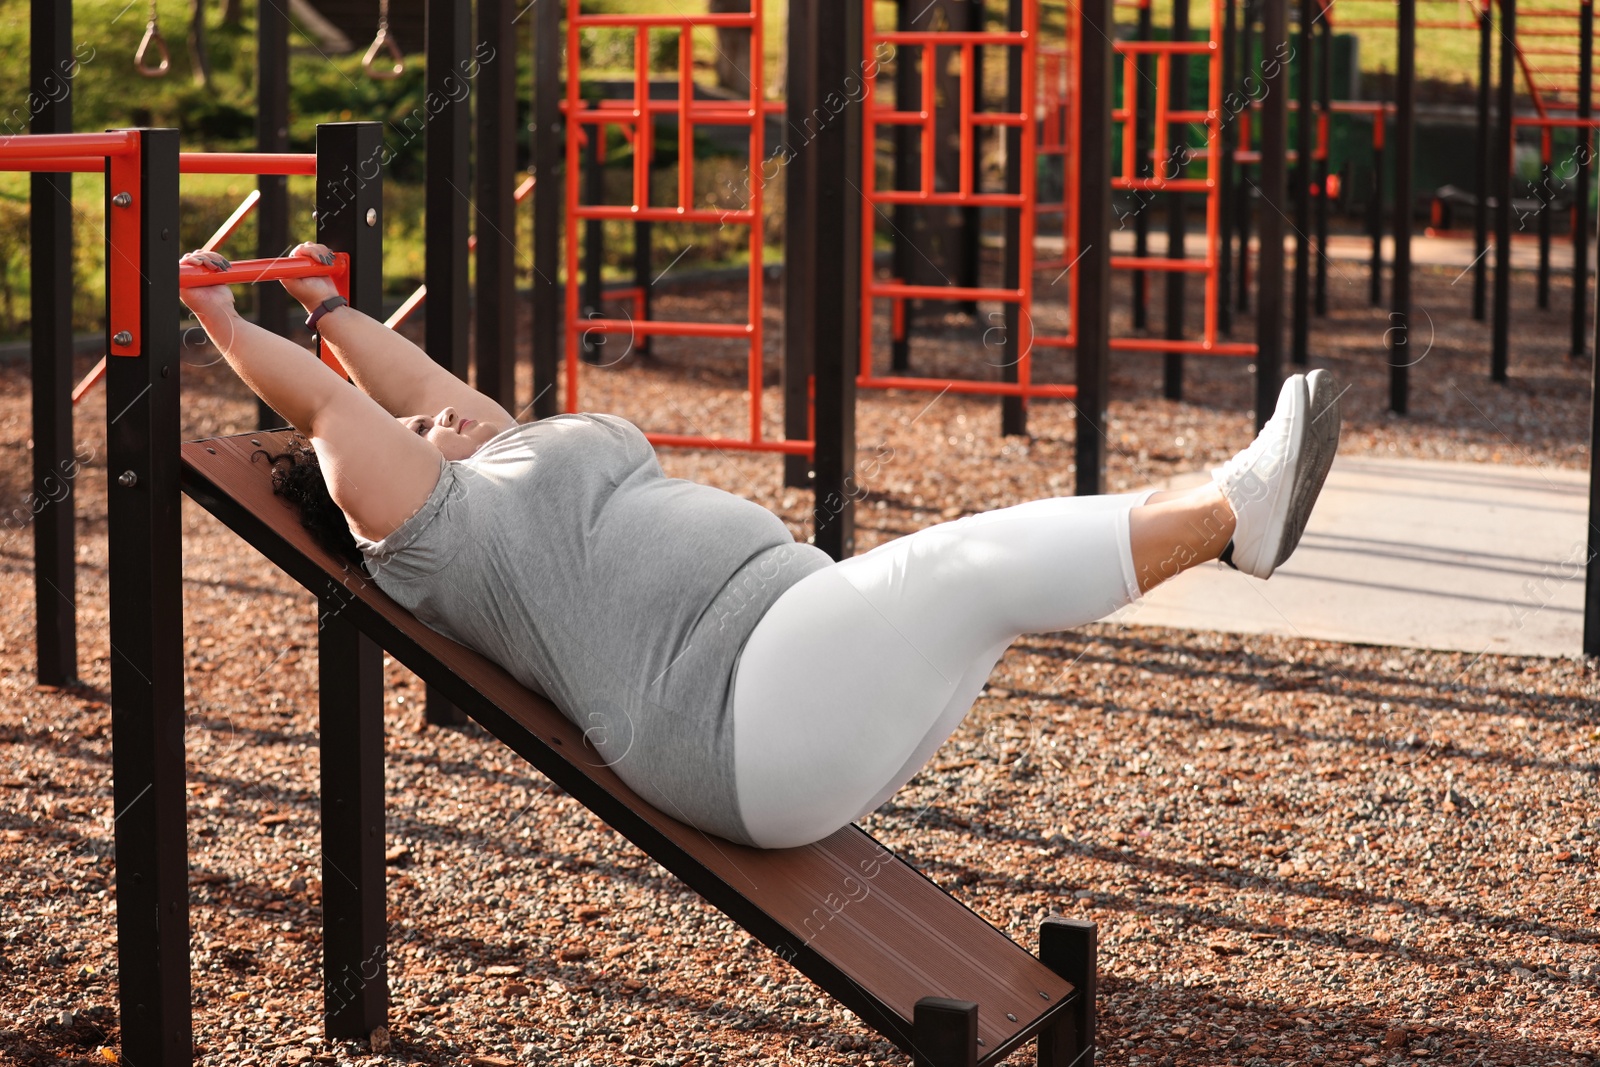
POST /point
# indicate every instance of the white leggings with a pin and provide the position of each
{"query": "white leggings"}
(860, 671)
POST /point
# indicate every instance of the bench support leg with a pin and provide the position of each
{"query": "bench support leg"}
(944, 1033)
(354, 937)
(1070, 947)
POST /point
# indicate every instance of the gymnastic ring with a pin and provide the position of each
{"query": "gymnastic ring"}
(383, 42)
(152, 35)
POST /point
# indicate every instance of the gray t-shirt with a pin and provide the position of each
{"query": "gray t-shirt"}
(562, 552)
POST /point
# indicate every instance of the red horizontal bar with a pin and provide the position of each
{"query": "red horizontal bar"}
(1228, 349)
(241, 163)
(952, 37)
(26, 146)
(944, 292)
(894, 196)
(956, 385)
(1187, 48)
(1170, 185)
(683, 440)
(1171, 266)
(621, 112)
(1199, 348)
(634, 21)
(247, 163)
(655, 327)
(661, 214)
(248, 271)
(1557, 122)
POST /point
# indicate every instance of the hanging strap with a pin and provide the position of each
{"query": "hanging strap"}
(372, 62)
(152, 36)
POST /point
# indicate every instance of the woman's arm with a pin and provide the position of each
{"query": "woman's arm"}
(378, 472)
(385, 365)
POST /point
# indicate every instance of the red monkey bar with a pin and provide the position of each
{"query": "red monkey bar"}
(636, 118)
(924, 120)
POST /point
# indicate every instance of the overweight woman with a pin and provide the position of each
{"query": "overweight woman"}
(740, 681)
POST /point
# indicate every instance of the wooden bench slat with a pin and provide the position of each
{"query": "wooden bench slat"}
(863, 924)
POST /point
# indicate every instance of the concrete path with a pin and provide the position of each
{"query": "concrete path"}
(1458, 556)
(1443, 251)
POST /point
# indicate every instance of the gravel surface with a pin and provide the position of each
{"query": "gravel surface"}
(1298, 852)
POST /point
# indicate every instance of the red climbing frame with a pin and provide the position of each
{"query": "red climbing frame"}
(1165, 117)
(635, 117)
(876, 115)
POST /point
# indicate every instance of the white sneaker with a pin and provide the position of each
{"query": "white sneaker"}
(1272, 485)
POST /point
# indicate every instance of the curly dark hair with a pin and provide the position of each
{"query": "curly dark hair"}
(297, 477)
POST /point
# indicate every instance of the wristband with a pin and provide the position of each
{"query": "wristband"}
(322, 309)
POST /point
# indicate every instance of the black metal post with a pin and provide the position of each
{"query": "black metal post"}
(1324, 201)
(1144, 165)
(907, 151)
(547, 138)
(1094, 229)
(1248, 71)
(1405, 136)
(496, 219)
(1481, 165)
(594, 191)
(145, 548)
(355, 949)
(1177, 223)
(1071, 948)
(1545, 197)
(1504, 143)
(644, 273)
(445, 202)
(799, 249)
(1380, 136)
(349, 664)
(828, 43)
(1591, 584)
(1580, 202)
(55, 466)
(944, 1033)
(272, 211)
(1225, 170)
(1276, 50)
(972, 217)
(1305, 123)
(1013, 410)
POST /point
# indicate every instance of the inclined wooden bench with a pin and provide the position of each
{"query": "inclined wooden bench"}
(913, 962)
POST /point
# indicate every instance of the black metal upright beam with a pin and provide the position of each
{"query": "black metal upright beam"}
(145, 549)
(1247, 60)
(799, 252)
(1545, 196)
(349, 664)
(1275, 48)
(445, 201)
(1504, 141)
(1591, 588)
(825, 44)
(1380, 138)
(1094, 229)
(1177, 221)
(1071, 948)
(594, 244)
(54, 463)
(1405, 137)
(495, 353)
(1144, 165)
(1481, 166)
(1324, 202)
(272, 135)
(548, 155)
(1580, 201)
(1304, 125)
(907, 149)
(1227, 204)
(1013, 410)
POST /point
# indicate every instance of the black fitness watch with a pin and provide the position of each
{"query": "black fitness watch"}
(322, 309)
